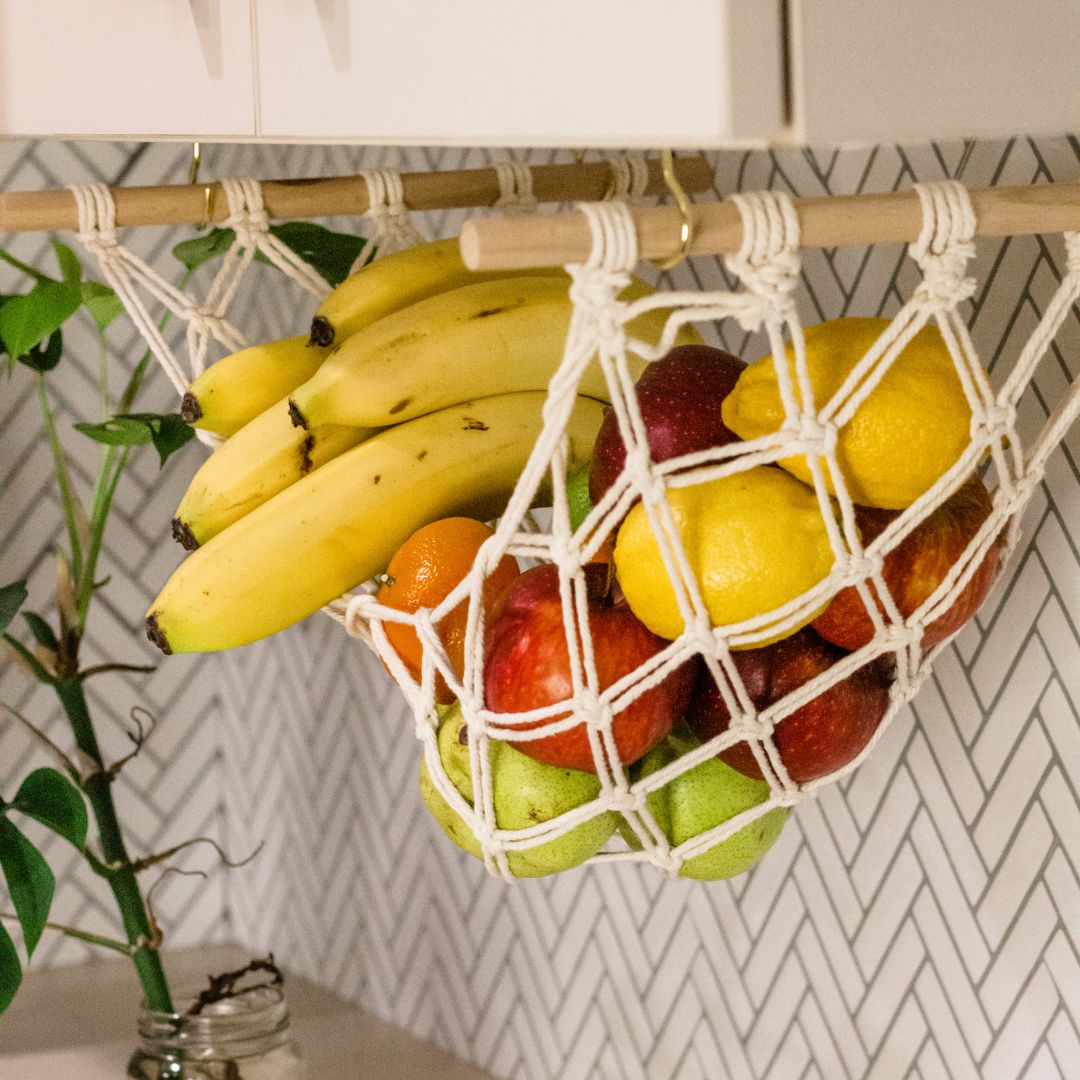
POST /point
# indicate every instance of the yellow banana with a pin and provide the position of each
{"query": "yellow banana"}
(339, 526)
(495, 337)
(264, 457)
(395, 282)
(237, 388)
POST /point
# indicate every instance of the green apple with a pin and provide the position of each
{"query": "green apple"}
(700, 799)
(525, 793)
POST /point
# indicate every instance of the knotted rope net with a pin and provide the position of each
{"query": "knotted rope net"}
(767, 266)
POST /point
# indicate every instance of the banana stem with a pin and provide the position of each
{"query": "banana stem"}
(121, 876)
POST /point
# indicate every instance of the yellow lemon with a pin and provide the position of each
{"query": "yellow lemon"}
(754, 541)
(907, 433)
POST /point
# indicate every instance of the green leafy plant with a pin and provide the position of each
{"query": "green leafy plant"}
(31, 336)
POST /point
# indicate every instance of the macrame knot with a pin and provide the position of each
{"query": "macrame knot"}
(895, 636)
(515, 188)
(700, 632)
(860, 567)
(625, 802)
(358, 614)
(387, 211)
(945, 245)
(97, 219)
(593, 293)
(629, 178)
(817, 437)
(597, 713)
(996, 422)
(247, 214)
(789, 797)
(767, 262)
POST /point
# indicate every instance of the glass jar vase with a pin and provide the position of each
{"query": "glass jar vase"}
(243, 1037)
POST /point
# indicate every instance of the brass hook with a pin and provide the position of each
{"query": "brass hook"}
(686, 221)
(208, 189)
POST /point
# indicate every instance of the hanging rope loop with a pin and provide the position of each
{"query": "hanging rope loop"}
(515, 188)
(767, 262)
(946, 244)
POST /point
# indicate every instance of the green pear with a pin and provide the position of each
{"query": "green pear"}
(525, 793)
(700, 799)
(577, 494)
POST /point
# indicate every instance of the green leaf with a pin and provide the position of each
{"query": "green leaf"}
(169, 434)
(10, 969)
(29, 880)
(29, 659)
(117, 431)
(329, 253)
(167, 431)
(12, 597)
(41, 630)
(102, 303)
(45, 359)
(26, 321)
(193, 253)
(70, 267)
(49, 797)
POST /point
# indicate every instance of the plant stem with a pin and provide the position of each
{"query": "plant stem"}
(37, 275)
(82, 935)
(67, 495)
(121, 878)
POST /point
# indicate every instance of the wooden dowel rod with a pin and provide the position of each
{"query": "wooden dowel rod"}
(30, 211)
(558, 239)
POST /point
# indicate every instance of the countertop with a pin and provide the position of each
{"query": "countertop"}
(79, 1022)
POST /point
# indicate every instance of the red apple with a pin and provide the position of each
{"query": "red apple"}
(679, 397)
(917, 566)
(819, 738)
(527, 666)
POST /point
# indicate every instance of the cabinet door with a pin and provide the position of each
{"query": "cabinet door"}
(126, 68)
(879, 70)
(555, 72)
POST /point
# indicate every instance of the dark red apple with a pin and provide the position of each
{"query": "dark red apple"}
(527, 666)
(679, 397)
(917, 566)
(819, 738)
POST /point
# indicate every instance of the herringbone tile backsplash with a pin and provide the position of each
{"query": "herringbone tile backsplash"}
(921, 919)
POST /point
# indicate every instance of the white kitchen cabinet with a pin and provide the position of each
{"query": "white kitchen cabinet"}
(696, 73)
(880, 70)
(126, 68)
(561, 72)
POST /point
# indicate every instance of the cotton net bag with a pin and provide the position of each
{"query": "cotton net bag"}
(767, 267)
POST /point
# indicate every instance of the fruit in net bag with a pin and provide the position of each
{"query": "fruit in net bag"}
(527, 666)
(525, 793)
(700, 799)
(906, 434)
(819, 737)
(423, 572)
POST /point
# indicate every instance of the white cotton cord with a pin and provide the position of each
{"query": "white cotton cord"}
(768, 267)
(767, 261)
(515, 188)
(945, 245)
(629, 178)
(393, 229)
(122, 271)
(249, 218)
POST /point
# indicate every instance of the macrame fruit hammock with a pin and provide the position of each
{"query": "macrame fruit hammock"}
(668, 670)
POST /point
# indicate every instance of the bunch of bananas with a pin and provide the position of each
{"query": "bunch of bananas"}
(418, 395)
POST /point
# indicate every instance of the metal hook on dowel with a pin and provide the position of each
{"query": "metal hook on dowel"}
(208, 189)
